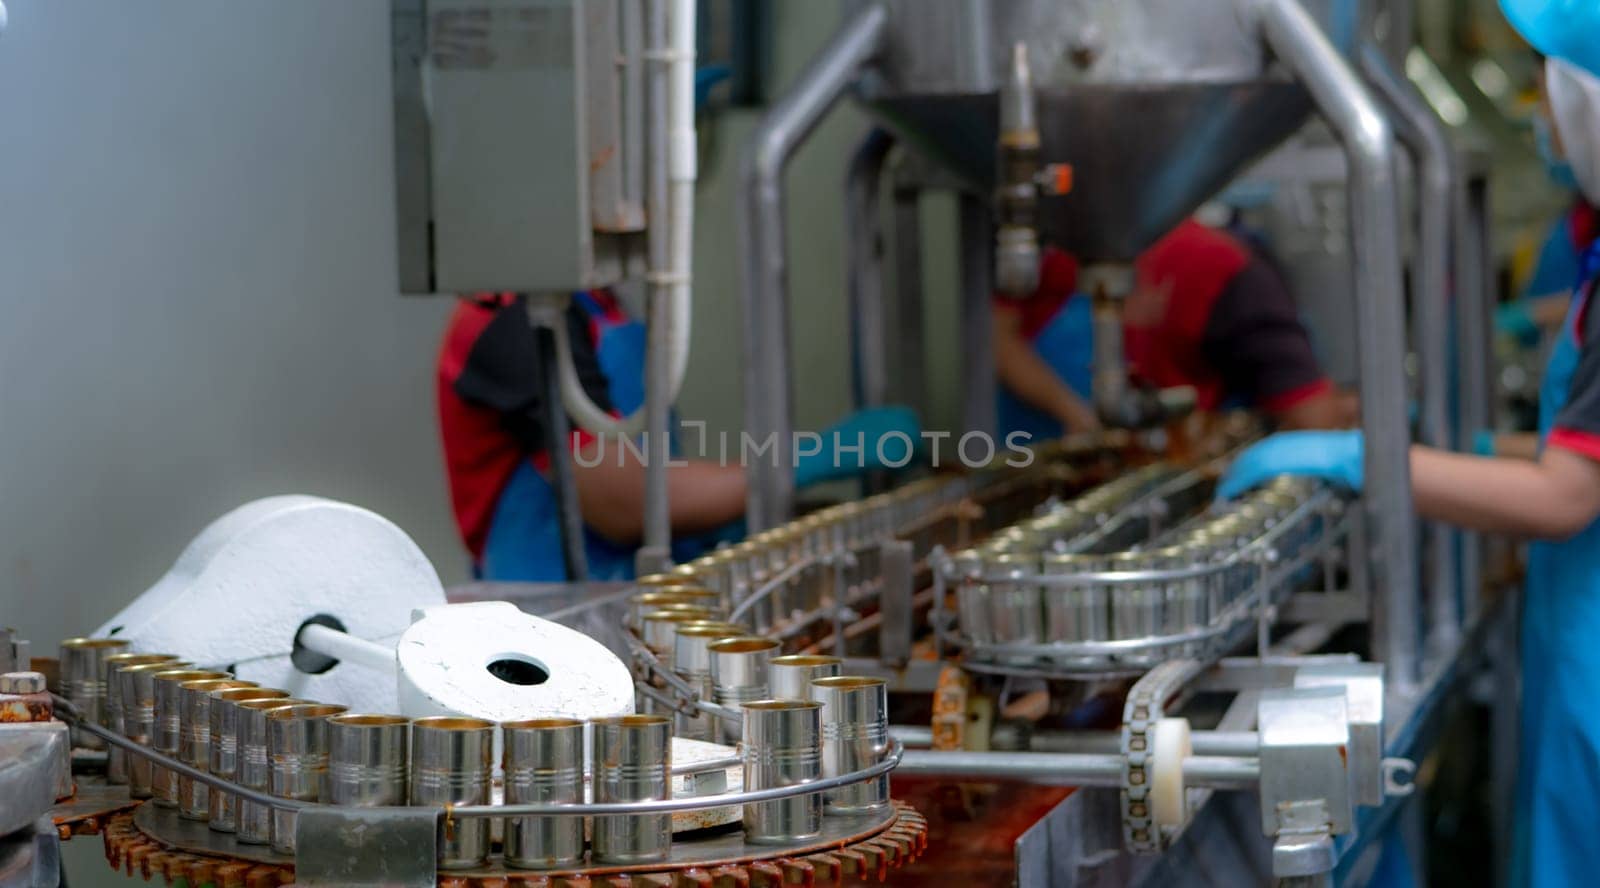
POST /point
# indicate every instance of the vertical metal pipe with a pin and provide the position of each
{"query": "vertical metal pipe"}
(764, 283)
(1295, 39)
(863, 242)
(657, 550)
(977, 316)
(1424, 133)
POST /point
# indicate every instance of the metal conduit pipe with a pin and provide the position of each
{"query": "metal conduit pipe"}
(1424, 133)
(1224, 743)
(864, 245)
(1070, 769)
(1295, 39)
(657, 549)
(764, 287)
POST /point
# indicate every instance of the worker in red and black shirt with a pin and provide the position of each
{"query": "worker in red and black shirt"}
(1206, 312)
(492, 420)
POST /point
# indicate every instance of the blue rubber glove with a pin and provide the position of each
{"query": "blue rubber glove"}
(1513, 321)
(1331, 456)
(887, 438)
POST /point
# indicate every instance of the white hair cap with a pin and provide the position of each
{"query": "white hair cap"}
(1575, 105)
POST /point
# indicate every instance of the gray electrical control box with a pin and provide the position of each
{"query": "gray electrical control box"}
(518, 144)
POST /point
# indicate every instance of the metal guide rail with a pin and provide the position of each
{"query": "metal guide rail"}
(1111, 584)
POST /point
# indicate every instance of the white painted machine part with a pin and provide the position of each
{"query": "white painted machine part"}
(241, 590)
(682, 170)
(1169, 746)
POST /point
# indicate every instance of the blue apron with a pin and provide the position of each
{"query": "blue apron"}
(1557, 818)
(524, 541)
(1067, 344)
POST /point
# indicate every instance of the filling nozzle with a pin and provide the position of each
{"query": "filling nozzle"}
(1119, 403)
(1016, 261)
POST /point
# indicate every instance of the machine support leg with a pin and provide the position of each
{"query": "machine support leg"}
(1295, 38)
(764, 273)
(863, 232)
(908, 368)
(1424, 133)
(656, 554)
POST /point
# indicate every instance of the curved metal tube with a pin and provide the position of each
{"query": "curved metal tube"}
(1294, 37)
(1424, 133)
(764, 273)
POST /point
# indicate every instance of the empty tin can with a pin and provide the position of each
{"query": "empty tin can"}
(739, 672)
(83, 669)
(194, 741)
(1079, 612)
(659, 629)
(1016, 610)
(254, 826)
(116, 756)
(139, 717)
(167, 733)
(691, 659)
(661, 598)
(972, 597)
(367, 759)
(789, 677)
(297, 762)
(632, 762)
(1137, 607)
(223, 807)
(452, 759)
(855, 735)
(782, 747)
(543, 764)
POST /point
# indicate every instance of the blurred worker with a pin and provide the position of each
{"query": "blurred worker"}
(1206, 312)
(491, 418)
(1543, 302)
(1554, 500)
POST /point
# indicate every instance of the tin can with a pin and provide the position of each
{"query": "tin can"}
(367, 760)
(789, 677)
(1079, 612)
(194, 742)
(543, 764)
(855, 735)
(254, 826)
(297, 762)
(1137, 607)
(83, 683)
(1016, 610)
(782, 747)
(452, 760)
(167, 733)
(972, 597)
(139, 717)
(223, 807)
(632, 762)
(659, 629)
(664, 597)
(691, 659)
(116, 756)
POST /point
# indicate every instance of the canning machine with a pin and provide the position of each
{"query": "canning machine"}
(1078, 670)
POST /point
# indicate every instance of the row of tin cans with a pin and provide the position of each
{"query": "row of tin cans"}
(262, 739)
(1016, 612)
